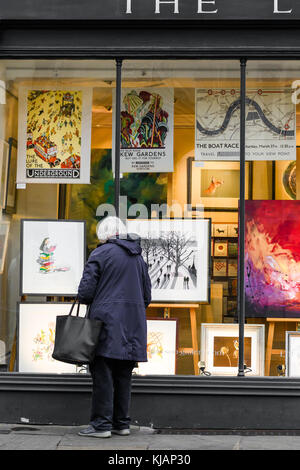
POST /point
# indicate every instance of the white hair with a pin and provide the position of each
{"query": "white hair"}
(110, 227)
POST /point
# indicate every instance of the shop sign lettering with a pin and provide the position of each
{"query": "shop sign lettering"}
(201, 6)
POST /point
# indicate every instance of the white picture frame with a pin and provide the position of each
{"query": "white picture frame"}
(161, 348)
(177, 274)
(52, 256)
(35, 338)
(219, 348)
(40, 140)
(292, 353)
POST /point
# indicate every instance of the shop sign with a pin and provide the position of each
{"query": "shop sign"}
(201, 10)
(146, 130)
(270, 124)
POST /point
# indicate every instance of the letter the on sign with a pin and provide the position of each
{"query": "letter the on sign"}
(276, 8)
(201, 3)
(159, 2)
(128, 7)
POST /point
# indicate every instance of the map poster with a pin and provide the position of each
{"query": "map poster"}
(54, 135)
(146, 130)
(270, 124)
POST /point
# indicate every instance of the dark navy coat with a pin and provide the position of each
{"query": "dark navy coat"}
(116, 284)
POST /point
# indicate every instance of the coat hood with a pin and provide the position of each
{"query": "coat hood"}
(131, 244)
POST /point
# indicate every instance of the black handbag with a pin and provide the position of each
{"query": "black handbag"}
(76, 338)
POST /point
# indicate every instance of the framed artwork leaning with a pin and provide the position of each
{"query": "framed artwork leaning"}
(177, 252)
(4, 232)
(161, 347)
(292, 353)
(52, 256)
(36, 335)
(220, 348)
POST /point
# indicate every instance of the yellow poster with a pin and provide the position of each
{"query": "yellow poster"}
(54, 139)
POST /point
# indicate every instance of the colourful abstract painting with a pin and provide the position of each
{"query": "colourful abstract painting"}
(272, 258)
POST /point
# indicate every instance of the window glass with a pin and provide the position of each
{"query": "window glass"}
(272, 221)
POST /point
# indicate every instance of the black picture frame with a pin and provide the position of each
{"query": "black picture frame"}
(48, 294)
(209, 262)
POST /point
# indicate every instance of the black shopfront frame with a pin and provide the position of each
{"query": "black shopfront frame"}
(64, 31)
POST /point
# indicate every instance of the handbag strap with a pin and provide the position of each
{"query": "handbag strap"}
(72, 308)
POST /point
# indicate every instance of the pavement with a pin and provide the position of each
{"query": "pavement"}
(35, 437)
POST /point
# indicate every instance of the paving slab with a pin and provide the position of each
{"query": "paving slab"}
(269, 443)
(29, 442)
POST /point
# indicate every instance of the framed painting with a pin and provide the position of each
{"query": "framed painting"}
(220, 267)
(54, 135)
(272, 258)
(35, 338)
(161, 347)
(215, 185)
(10, 200)
(220, 230)
(292, 353)
(4, 232)
(177, 252)
(52, 256)
(220, 348)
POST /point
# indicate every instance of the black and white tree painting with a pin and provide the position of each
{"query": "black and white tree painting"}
(170, 261)
(177, 254)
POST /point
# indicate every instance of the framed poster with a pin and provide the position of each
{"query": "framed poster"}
(54, 135)
(220, 348)
(177, 252)
(10, 202)
(232, 267)
(292, 353)
(272, 258)
(52, 256)
(4, 231)
(270, 124)
(147, 127)
(4, 152)
(161, 347)
(36, 334)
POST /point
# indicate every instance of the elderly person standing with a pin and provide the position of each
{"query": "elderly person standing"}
(117, 286)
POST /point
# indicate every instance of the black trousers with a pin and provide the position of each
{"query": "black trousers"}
(111, 393)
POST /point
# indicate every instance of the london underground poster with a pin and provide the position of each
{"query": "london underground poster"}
(146, 130)
(54, 135)
(270, 124)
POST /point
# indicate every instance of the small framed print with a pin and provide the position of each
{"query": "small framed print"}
(233, 230)
(52, 256)
(232, 287)
(36, 334)
(220, 248)
(220, 268)
(232, 249)
(225, 287)
(232, 267)
(220, 348)
(220, 230)
(232, 308)
(161, 347)
(292, 353)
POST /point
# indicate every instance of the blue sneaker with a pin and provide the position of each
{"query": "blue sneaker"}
(90, 431)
